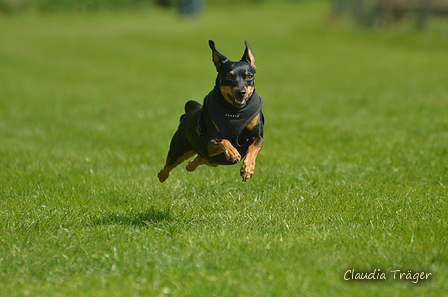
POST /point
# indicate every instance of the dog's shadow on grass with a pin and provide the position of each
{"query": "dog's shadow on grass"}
(146, 218)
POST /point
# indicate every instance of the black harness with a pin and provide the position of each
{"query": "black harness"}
(216, 118)
(229, 120)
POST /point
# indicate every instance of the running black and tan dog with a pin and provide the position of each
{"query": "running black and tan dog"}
(228, 127)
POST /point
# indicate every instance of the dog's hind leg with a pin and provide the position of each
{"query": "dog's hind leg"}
(179, 152)
(193, 164)
(171, 164)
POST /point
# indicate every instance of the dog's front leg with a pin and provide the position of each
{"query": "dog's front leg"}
(248, 167)
(217, 146)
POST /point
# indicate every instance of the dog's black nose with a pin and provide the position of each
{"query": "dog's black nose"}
(240, 92)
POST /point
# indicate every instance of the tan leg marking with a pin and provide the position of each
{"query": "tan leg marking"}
(193, 164)
(248, 167)
(165, 172)
(218, 146)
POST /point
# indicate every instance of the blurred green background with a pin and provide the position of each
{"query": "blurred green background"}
(353, 175)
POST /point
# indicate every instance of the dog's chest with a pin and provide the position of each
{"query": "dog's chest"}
(227, 120)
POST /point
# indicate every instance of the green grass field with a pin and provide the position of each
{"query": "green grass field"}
(353, 175)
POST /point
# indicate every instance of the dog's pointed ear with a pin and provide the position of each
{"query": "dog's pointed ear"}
(217, 57)
(249, 56)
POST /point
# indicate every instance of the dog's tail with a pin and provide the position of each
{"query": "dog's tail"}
(189, 106)
(192, 105)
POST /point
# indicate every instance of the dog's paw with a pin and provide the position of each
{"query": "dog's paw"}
(247, 170)
(163, 175)
(232, 155)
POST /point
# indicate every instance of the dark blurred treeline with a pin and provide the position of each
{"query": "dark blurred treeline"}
(98, 5)
(78, 5)
(387, 12)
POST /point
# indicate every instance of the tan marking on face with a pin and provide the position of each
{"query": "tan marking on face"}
(226, 91)
(249, 91)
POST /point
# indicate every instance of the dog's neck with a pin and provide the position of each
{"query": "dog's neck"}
(221, 106)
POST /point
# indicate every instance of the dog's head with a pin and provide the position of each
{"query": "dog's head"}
(235, 79)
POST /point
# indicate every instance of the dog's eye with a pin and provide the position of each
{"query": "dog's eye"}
(229, 76)
(249, 77)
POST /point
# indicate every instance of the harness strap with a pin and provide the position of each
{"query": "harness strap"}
(230, 120)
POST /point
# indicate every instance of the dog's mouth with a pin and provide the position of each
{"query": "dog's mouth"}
(238, 102)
